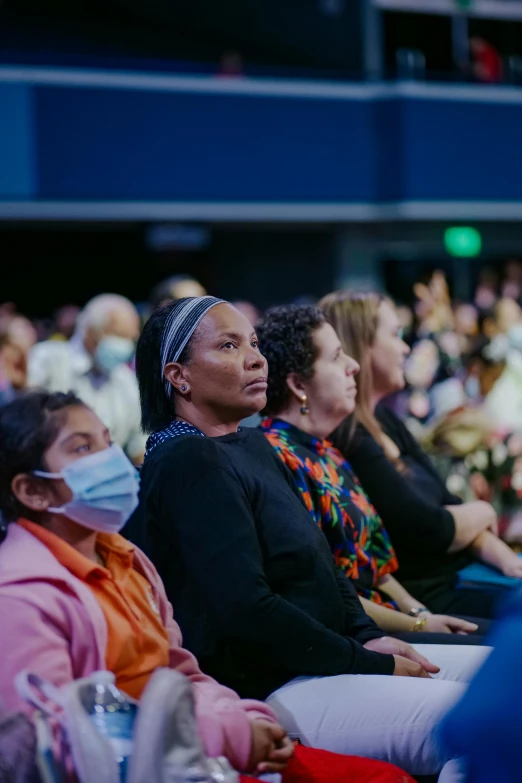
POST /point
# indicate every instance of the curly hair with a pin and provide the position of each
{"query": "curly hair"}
(286, 341)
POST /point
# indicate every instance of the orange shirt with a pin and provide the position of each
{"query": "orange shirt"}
(137, 642)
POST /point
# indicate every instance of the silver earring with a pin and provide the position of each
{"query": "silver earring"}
(183, 388)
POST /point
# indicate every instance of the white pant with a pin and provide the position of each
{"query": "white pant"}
(393, 719)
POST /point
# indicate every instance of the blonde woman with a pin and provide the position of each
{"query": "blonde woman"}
(433, 533)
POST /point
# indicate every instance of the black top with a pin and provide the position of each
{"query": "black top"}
(411, 504)
(250, 575)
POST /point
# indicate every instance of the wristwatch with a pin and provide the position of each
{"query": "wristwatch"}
(417, 610)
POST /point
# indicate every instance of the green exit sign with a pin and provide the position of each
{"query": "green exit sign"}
(463, 241)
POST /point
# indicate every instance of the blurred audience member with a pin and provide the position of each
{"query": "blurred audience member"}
(486, 291)
(504, 401)
(512, 283)
(65, 322)
(13, 368)
(507, 314)
(22, 332)
(17, 336)
(486, 62)
(93, 364)
(433, 305)
(249, 310)
(175, 287)
(406, 318)
(466, 322)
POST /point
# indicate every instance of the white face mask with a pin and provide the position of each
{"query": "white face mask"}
(105, 490)
(113, 351)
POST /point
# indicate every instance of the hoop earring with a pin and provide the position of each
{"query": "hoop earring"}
(304, 407)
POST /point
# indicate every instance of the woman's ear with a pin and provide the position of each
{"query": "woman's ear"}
(296, 385)
(176, 374)
(31, 492)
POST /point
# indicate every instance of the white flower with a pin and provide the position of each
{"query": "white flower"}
(480, 460)
(499, 454)
(455, 483)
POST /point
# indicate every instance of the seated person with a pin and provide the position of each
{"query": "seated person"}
(75, 597)
(433, 533)
(251, 576)
(94, 364)
(311, 390)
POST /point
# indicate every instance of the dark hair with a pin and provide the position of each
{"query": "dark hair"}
(28, 427)
(157, 407)
(286, 341)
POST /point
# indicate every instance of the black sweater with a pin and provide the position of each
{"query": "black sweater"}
(250, 575)
(411, 504)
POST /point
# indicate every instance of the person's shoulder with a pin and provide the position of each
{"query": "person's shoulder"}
(51, 350)
(389, 420)
(362, 446)
(125, 383)
(255, 436)
(186, 453)
(125, 373)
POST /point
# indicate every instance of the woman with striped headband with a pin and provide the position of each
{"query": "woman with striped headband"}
(250, 575)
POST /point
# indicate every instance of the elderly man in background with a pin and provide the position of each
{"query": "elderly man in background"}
(94, 364)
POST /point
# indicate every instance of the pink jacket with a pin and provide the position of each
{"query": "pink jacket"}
(51, 624)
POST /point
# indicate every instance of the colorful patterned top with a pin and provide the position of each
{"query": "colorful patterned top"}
(337, 502)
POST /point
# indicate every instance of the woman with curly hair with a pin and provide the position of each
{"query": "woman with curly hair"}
(433, 532)
(311, 390)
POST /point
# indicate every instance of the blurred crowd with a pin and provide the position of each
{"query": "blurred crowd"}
(463, 399)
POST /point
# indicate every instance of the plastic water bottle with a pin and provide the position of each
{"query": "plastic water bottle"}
(113, 715)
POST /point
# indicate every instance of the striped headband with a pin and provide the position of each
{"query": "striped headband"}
(181, 325)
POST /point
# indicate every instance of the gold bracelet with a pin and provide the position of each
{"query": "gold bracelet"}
(419, 624)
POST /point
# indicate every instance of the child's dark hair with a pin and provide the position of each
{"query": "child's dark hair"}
(157, 407)
(28, 427)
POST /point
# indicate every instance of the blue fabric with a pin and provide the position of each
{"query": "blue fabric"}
(480, 574)
(174, 430)
(484, 727)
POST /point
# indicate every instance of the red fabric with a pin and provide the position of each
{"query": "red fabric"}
(320, 766)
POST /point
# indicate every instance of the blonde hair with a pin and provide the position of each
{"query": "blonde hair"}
(355, 318)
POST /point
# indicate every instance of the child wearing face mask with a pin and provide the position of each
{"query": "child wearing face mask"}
(75, 597)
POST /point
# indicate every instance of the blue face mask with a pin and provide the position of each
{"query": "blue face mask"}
(113, 351)
(105, 490)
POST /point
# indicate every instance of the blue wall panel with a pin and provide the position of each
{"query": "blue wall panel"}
(121, 144)
(17, 172)
(75, 136)
(462, 150)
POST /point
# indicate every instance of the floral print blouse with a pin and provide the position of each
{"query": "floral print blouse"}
(337, 502)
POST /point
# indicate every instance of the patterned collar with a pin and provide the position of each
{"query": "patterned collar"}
(174, 430)
(285, 430)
